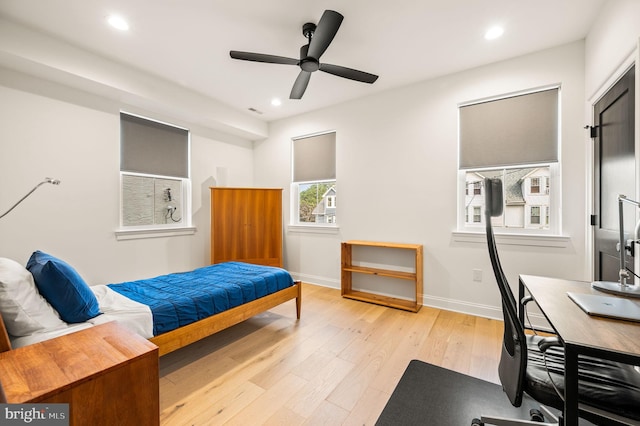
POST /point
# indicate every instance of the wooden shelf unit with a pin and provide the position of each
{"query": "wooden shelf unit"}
(348, 268)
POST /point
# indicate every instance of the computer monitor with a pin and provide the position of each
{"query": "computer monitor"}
(622, 288)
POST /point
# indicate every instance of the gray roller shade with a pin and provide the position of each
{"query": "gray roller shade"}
(153, 148)
(314, 158)
(516, 130)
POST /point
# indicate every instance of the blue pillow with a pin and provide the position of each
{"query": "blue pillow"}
(63, 288)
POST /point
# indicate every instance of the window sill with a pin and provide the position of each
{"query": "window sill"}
(135, 234)
(531, 240)
(313, 229)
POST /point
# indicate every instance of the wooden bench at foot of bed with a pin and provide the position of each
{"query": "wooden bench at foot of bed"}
(183, 336)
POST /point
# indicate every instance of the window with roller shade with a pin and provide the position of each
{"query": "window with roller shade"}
(514, 138)
(314, 191)
(154, 173)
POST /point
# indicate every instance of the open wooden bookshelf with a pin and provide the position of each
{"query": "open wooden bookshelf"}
(348, 268)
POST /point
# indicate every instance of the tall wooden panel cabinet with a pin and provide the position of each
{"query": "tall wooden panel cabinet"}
(246, 225)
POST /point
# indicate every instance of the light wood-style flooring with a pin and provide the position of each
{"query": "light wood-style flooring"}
(338, 365)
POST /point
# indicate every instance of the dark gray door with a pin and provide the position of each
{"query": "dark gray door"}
(614, 174)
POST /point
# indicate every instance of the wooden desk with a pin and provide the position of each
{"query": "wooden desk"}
(107, 374)
(580, 333)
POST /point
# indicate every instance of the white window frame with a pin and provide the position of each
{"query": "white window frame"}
(554, 181)
(183, 226)
(295, 224)
(295, 205)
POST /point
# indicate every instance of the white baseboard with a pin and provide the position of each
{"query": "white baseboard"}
(485, 311)
(316, 280)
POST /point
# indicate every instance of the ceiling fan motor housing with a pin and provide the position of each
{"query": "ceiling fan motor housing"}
(307, 63)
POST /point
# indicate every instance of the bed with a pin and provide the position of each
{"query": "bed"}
(48, 298)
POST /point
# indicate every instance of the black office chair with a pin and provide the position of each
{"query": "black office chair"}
(534, 365)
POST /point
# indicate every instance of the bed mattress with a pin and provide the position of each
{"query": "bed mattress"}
(113, 307)
(182, 298)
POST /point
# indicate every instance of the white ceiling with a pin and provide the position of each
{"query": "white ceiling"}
(404, 41)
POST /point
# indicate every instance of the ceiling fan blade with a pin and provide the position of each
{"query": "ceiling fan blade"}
(300, 85)
(324, 33)
(261, 57)
(349, 73)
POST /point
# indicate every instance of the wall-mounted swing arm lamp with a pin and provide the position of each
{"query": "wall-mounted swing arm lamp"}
(622, 287)
(46, 180)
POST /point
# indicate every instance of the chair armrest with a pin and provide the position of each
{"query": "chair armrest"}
(547, 342)
(526, 300)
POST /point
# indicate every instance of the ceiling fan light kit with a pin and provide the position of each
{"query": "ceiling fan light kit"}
(319, 38)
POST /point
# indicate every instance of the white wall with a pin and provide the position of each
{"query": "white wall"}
(611, 48)
(49, 130)
(403, 143)
(611, 40)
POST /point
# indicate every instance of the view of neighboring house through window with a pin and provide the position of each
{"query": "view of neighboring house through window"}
(525, 205)
(314, 180)
(154, 173)
(513, 138)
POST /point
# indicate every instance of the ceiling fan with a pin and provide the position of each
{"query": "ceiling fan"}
(319, 36)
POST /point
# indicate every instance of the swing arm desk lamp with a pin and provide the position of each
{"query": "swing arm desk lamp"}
(46, 180)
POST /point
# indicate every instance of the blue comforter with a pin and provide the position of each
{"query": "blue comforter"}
(182, 298)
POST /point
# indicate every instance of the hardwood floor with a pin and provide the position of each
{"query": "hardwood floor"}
(337, 366)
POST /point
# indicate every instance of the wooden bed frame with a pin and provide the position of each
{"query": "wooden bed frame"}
(183, 336)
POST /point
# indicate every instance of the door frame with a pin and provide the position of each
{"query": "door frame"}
(632, 59)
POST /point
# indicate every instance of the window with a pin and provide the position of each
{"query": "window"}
(314, 188)
(154, 174)
(535, 215)
(496, 140)
(535, 185)
(546, 215)
(477, 214)
(476, 188)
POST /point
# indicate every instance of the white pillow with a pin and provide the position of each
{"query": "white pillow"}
(23, 308)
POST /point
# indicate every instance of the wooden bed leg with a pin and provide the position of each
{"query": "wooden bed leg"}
(299, 300)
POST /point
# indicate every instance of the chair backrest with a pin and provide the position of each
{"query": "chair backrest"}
(513, 358)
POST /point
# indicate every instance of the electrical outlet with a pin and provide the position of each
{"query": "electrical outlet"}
(477, 275)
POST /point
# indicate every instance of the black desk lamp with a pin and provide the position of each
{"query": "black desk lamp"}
(46, 180)
(621, 287)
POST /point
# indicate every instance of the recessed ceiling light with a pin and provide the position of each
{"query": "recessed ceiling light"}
(118, 23)
(494, 33)
(276, 102)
